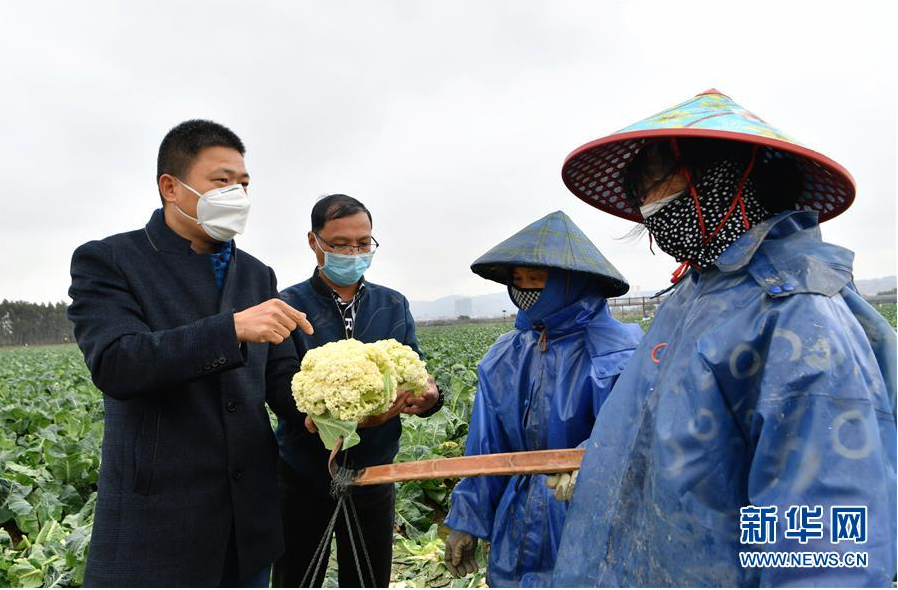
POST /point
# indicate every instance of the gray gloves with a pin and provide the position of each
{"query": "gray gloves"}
(563, 484)
(460, 554)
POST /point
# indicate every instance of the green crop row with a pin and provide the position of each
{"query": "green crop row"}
(52, 426)
(51, 421)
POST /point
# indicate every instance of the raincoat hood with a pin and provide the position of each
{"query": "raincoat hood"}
(553, 242)
(563, 289)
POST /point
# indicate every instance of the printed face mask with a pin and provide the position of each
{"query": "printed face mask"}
(221, 212)
(652, 208)
(676, 226)
(523, 298)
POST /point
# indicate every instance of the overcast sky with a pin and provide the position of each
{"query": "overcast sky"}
(449, 120)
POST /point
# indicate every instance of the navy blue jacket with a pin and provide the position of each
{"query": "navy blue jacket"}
(382, 313)
(188, 450)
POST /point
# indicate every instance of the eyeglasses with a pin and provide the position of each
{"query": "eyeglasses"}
(361, 248)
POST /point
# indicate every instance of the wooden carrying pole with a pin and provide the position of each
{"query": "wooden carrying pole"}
(527, 462)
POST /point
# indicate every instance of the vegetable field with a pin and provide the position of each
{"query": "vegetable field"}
(51, 427)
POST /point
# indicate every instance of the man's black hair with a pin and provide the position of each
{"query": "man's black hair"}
(335, 207)
(181, 146)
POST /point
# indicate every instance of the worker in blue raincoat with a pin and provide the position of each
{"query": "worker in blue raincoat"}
(756, 421)
(540, 387)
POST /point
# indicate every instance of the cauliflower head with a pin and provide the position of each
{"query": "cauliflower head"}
(409, 370)
(348, 379)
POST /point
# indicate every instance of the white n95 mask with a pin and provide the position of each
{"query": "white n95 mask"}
(221, 212)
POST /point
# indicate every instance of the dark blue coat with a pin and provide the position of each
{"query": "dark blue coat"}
(765, 381)
(382, 313)
(188, 450)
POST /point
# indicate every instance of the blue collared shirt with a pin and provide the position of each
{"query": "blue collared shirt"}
(220, 262)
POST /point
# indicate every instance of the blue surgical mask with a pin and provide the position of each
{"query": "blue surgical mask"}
(344, 269)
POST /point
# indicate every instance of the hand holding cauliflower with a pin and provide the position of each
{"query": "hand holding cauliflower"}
(344, 382)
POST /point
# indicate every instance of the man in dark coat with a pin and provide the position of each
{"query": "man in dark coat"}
(185, 336)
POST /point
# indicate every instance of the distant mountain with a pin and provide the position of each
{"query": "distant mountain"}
(874, 286)
(493, 304)
(452, 306)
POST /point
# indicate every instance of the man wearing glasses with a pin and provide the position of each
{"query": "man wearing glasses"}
(341, 304)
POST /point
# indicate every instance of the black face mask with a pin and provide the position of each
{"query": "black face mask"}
(523, 298)
(676, 227)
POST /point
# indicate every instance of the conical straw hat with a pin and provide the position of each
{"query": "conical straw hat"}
(594, 171)
(554, 241)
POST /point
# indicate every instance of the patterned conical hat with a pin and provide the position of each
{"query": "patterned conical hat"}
(593, 171)
(553, 241)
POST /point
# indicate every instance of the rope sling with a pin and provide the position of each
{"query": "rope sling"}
(342, 480)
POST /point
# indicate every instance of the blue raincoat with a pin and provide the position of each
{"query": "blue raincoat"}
(532, 399)
(766, 382)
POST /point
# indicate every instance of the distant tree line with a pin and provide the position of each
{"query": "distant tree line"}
(24, 323)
